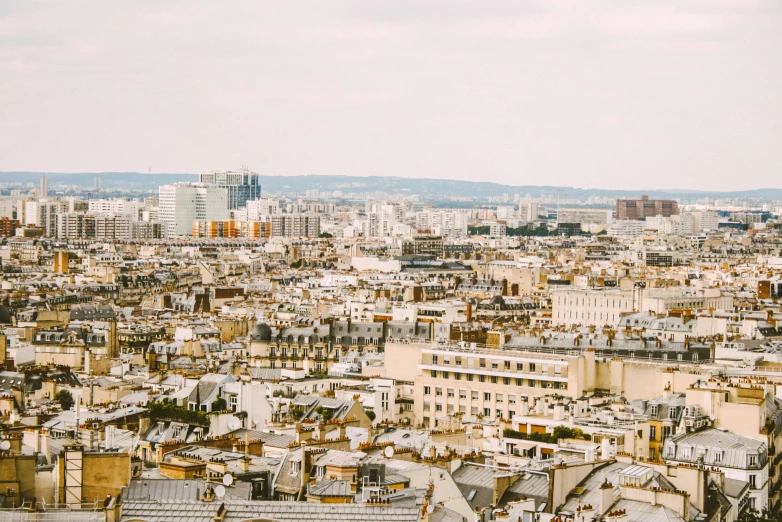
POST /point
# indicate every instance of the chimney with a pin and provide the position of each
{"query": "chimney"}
(559, 411)
(606, 497)
(246, 459)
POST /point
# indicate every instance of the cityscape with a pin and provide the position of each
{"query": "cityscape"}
(390, 261)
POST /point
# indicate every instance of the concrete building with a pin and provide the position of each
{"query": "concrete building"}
(591, 219)
(591, 306)
(241, 186)
(645, 207)
(739, 457)
(294, 225)
(183, 203)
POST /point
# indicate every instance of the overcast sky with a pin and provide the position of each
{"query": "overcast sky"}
(616, 94)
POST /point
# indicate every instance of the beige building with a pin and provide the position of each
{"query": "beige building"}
(591, 306)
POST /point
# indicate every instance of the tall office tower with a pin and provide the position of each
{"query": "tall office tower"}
(242, 185)
(183, 203)
(44, 187)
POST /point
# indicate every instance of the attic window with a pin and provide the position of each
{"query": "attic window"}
(295, 467)
(471, 495)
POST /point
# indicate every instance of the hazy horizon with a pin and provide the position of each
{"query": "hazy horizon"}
(641, 95)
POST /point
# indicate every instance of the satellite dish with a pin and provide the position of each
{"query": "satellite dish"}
(228, 480)
(220, 491)
(430, 508)
(234, 424)
(5, 445)
(388, 452)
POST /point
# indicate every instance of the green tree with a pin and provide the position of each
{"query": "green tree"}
(325, 235)
(325, 413)
(478, 231)
(371, 415)
(219, 405)
(65, 399)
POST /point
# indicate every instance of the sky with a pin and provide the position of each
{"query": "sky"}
(623, 94)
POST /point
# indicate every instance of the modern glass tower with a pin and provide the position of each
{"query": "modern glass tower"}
(243, 185)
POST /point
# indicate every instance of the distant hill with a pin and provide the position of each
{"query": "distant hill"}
(427, 188)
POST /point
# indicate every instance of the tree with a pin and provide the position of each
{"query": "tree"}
(371, 415)
(325, 235)
(478, 231)
(325, 413)
(65, 399)
(219, 405)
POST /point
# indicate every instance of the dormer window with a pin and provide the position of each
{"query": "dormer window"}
(295, 467)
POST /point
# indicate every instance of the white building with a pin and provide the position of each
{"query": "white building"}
(591, 219)
(739, 457)
(591, 306)
(183, 203)
(262, 207)
(626, 228)
(115, 207)
(497, 228)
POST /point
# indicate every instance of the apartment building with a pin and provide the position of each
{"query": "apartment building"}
(592, 306)
(183, 203)
(490, 383)
(591, 219)
(738, 457)
(645, 207)
(295, 225)
(241, 186)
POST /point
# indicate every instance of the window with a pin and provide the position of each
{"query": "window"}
(427, 390)
(482, 378)
(469, 376)
(753, 484)
(506, 380)
(519, 381)
(434, 359)
(507, 365)
(438, 392)
(511, 399)
(499, 397)
(475, 395)
(487, 412)
(450, 392)
(718, 456)
(652, 432)
(462, 394)
(519, 366)
(532, 367)
(445, 375)
(494, 379)
(295, 467)
(438, 407)
(753, 460)
(487, 396)
(653, 411)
